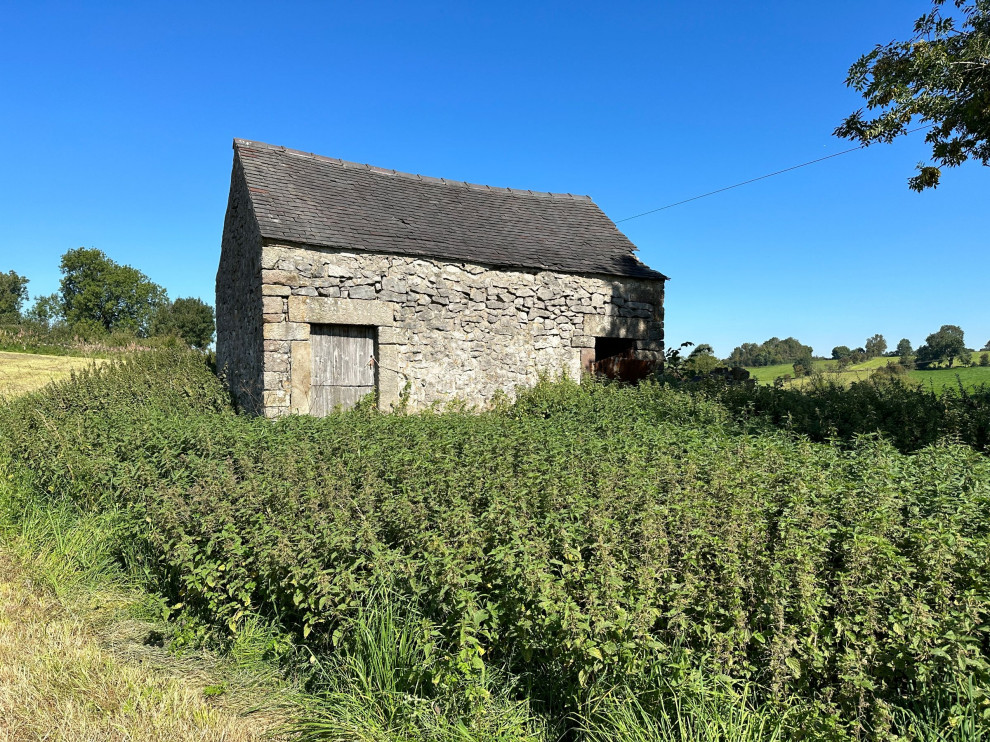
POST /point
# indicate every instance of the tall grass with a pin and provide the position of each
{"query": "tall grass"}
(64, 341)
(955, 712)
(378, 687)
(711, 711)
(66, 550)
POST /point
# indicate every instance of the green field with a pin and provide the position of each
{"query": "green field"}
(938, 378)
(941, 378)
(767, 374)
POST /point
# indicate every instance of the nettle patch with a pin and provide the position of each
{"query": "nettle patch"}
(584, 536)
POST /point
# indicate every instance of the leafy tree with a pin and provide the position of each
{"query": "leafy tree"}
(841, 351)
(924, 356)
(985, 359)
(46, 310)
(13, 294)
(905, 353)
(191, 319)
(673, 361)
(876, 346)
(702, 361)
(940, 76)
(987, 346)
(95, 288)
(945, 345)
(771, 352)
(743, 355)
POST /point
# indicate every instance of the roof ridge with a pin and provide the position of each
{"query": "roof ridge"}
(250, 143)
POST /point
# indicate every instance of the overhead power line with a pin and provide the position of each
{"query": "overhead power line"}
(762, 177)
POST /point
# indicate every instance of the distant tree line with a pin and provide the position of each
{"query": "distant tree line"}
(98, 296)
(945, 347)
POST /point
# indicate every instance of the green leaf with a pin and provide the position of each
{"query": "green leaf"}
(794, 665)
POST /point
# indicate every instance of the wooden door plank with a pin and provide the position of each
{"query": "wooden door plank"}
(351, 350)
(323, 399)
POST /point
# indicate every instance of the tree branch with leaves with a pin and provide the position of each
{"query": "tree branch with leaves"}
(939, 77)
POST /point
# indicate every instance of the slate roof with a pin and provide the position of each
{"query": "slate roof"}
(305, 198)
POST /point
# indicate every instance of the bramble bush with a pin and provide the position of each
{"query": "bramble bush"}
(582, 537)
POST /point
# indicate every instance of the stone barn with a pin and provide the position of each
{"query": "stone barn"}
(338, 279)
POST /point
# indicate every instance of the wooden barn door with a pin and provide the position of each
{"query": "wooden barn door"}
(342, 371)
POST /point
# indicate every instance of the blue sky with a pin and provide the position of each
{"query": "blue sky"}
(118, 118)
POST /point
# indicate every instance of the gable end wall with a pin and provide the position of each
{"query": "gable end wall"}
(240, 341)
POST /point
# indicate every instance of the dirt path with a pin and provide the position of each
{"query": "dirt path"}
(66, 678)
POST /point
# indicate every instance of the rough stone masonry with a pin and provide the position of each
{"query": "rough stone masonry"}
(313, 241)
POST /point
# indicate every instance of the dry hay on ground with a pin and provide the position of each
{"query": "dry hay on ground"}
(24, 372)
(59, 682)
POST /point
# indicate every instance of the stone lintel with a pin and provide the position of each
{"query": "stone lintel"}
(614, 327)
(327, 310)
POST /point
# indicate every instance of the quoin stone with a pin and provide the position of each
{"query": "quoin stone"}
(418, 289)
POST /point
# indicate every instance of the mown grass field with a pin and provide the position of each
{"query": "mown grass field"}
(855, 372)
(767, 374)
(25, 372)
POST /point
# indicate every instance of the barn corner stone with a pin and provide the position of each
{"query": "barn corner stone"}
(301, 363)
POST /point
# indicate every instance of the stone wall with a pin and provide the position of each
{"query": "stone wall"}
(239, 300)
(450, 331)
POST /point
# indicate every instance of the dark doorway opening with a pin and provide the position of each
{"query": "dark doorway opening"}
(606, 348)
(615, 358)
